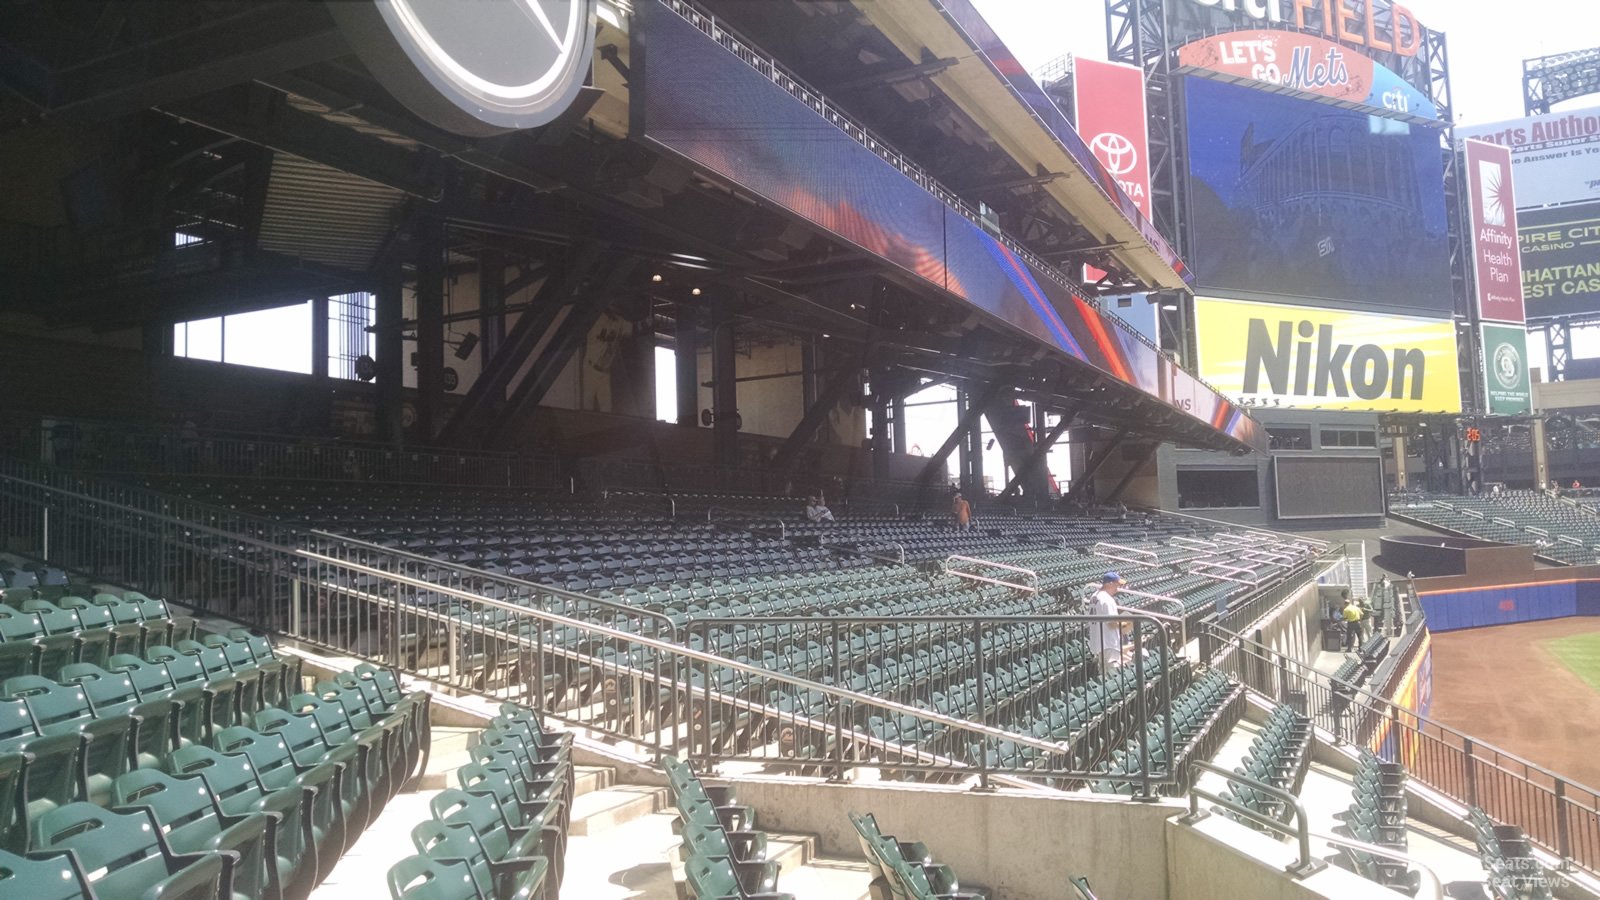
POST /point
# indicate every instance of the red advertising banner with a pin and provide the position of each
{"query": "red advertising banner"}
(1109, 110)
(1496, 257)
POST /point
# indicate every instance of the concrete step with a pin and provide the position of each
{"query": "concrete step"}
(611, 807)
(589, 779)
(449, 751)
(825, 878)
(631, 861)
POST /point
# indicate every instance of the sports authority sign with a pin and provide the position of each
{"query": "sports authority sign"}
(1108, 99)
(1301, 357)
(474, 68)
(1496, 258)
(1109, 111)
(1305, 62)
(1556, 155)
(1505, 369)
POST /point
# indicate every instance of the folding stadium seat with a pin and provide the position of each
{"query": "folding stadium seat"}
(233, 784)
(54, 619)
(188, 814)
(498, 831)
(125, 854)
(64, 710)
(512, 879)
(424, 878)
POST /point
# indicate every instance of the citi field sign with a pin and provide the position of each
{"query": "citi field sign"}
(1364, 27)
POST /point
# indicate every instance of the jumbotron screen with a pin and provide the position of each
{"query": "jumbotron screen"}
(1298, 199)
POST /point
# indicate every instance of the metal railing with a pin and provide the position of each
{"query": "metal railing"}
(1306, 865)
(1558, 814)
(948, 566)
(614, 670)
(123, 449)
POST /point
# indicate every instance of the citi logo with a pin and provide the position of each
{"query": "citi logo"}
(1308, 361)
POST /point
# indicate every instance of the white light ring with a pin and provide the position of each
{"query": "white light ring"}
(444, 64)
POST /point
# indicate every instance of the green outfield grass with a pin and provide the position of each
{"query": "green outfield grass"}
(1580, 653)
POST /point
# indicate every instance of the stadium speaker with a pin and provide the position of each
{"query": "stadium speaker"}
(468, 343)
(366, 367)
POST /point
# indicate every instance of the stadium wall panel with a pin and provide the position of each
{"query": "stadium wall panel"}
(1506, 605)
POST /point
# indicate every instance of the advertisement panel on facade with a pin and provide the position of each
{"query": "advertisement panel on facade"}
(695, 95)
(1555, 156)
(1560, 259)
(1505, 370)
(1296, 199)
(1496, 259)
(1108, 99)
(1267, 354)
(1305, 62)
(1109, 111)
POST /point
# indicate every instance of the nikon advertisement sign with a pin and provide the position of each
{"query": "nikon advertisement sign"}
(1266, 354)
(1505, 370)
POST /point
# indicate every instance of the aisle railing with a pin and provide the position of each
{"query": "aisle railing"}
(1559, 814)
(607, 669)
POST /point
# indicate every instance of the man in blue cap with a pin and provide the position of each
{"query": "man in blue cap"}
(1106, 638)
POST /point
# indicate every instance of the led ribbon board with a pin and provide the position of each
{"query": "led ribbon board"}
(475, 68)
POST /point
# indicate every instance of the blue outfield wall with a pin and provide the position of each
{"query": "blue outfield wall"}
(1508, 604)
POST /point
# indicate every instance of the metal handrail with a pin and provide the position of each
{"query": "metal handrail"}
(1477, 756)
(551, 621)
(1307, 865)
(783, 530)
(956, 557)
(1389, 853)
(664, 623)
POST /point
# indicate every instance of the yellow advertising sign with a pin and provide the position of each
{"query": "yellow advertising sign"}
(1266, 354)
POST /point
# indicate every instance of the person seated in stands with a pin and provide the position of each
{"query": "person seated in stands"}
(1354, 630)
(816, 510)
(1106, 638)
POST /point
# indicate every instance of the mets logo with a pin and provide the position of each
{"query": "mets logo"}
(1507, 366)
(1116, 151)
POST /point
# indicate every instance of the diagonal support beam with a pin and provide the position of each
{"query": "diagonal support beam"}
(980, 404)
(500, 369)
(564, 340)
(1040, 450)
(1082, 482)
(815, 415)
(1127, 477)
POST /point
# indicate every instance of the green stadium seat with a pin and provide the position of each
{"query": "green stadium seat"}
(125, 854)
(41, 876)
(423, 878)
(506, 879)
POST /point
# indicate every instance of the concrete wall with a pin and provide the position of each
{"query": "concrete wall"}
(1216, 859)
(1019, 845)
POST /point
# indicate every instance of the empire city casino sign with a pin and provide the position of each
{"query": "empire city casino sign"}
(1363, 26)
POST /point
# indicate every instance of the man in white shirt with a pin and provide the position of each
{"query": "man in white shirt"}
(1106, 638)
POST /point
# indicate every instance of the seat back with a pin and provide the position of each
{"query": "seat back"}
(250, 874)
(121, 851)
(16, 625)
(269, 753)
(56, 708)
(107, 691)
(423, 878)
(231, 776)
(184, 807)
(301, 734)
(13, 827)
(436, 840)
(39, 877)
(149, 679)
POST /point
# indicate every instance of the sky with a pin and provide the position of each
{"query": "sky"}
(1486, 50)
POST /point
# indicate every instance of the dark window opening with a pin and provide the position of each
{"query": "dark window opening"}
(1289, 437)
(1218, 489)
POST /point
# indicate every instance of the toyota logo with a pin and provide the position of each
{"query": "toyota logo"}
(1115, 151)
(475, 68)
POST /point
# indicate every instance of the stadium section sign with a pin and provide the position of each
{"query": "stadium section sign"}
(1561, 259)
(1310, 358)
(477, 68)
(1505, 370)
(1303, 62)
(1495, 257)
(1556, 156)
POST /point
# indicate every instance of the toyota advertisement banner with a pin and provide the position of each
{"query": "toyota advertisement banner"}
(1109, 109)
(1556, 156)
(1505, 370)
(1496, 258)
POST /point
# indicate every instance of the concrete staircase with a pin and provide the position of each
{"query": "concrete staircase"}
(621, 846)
